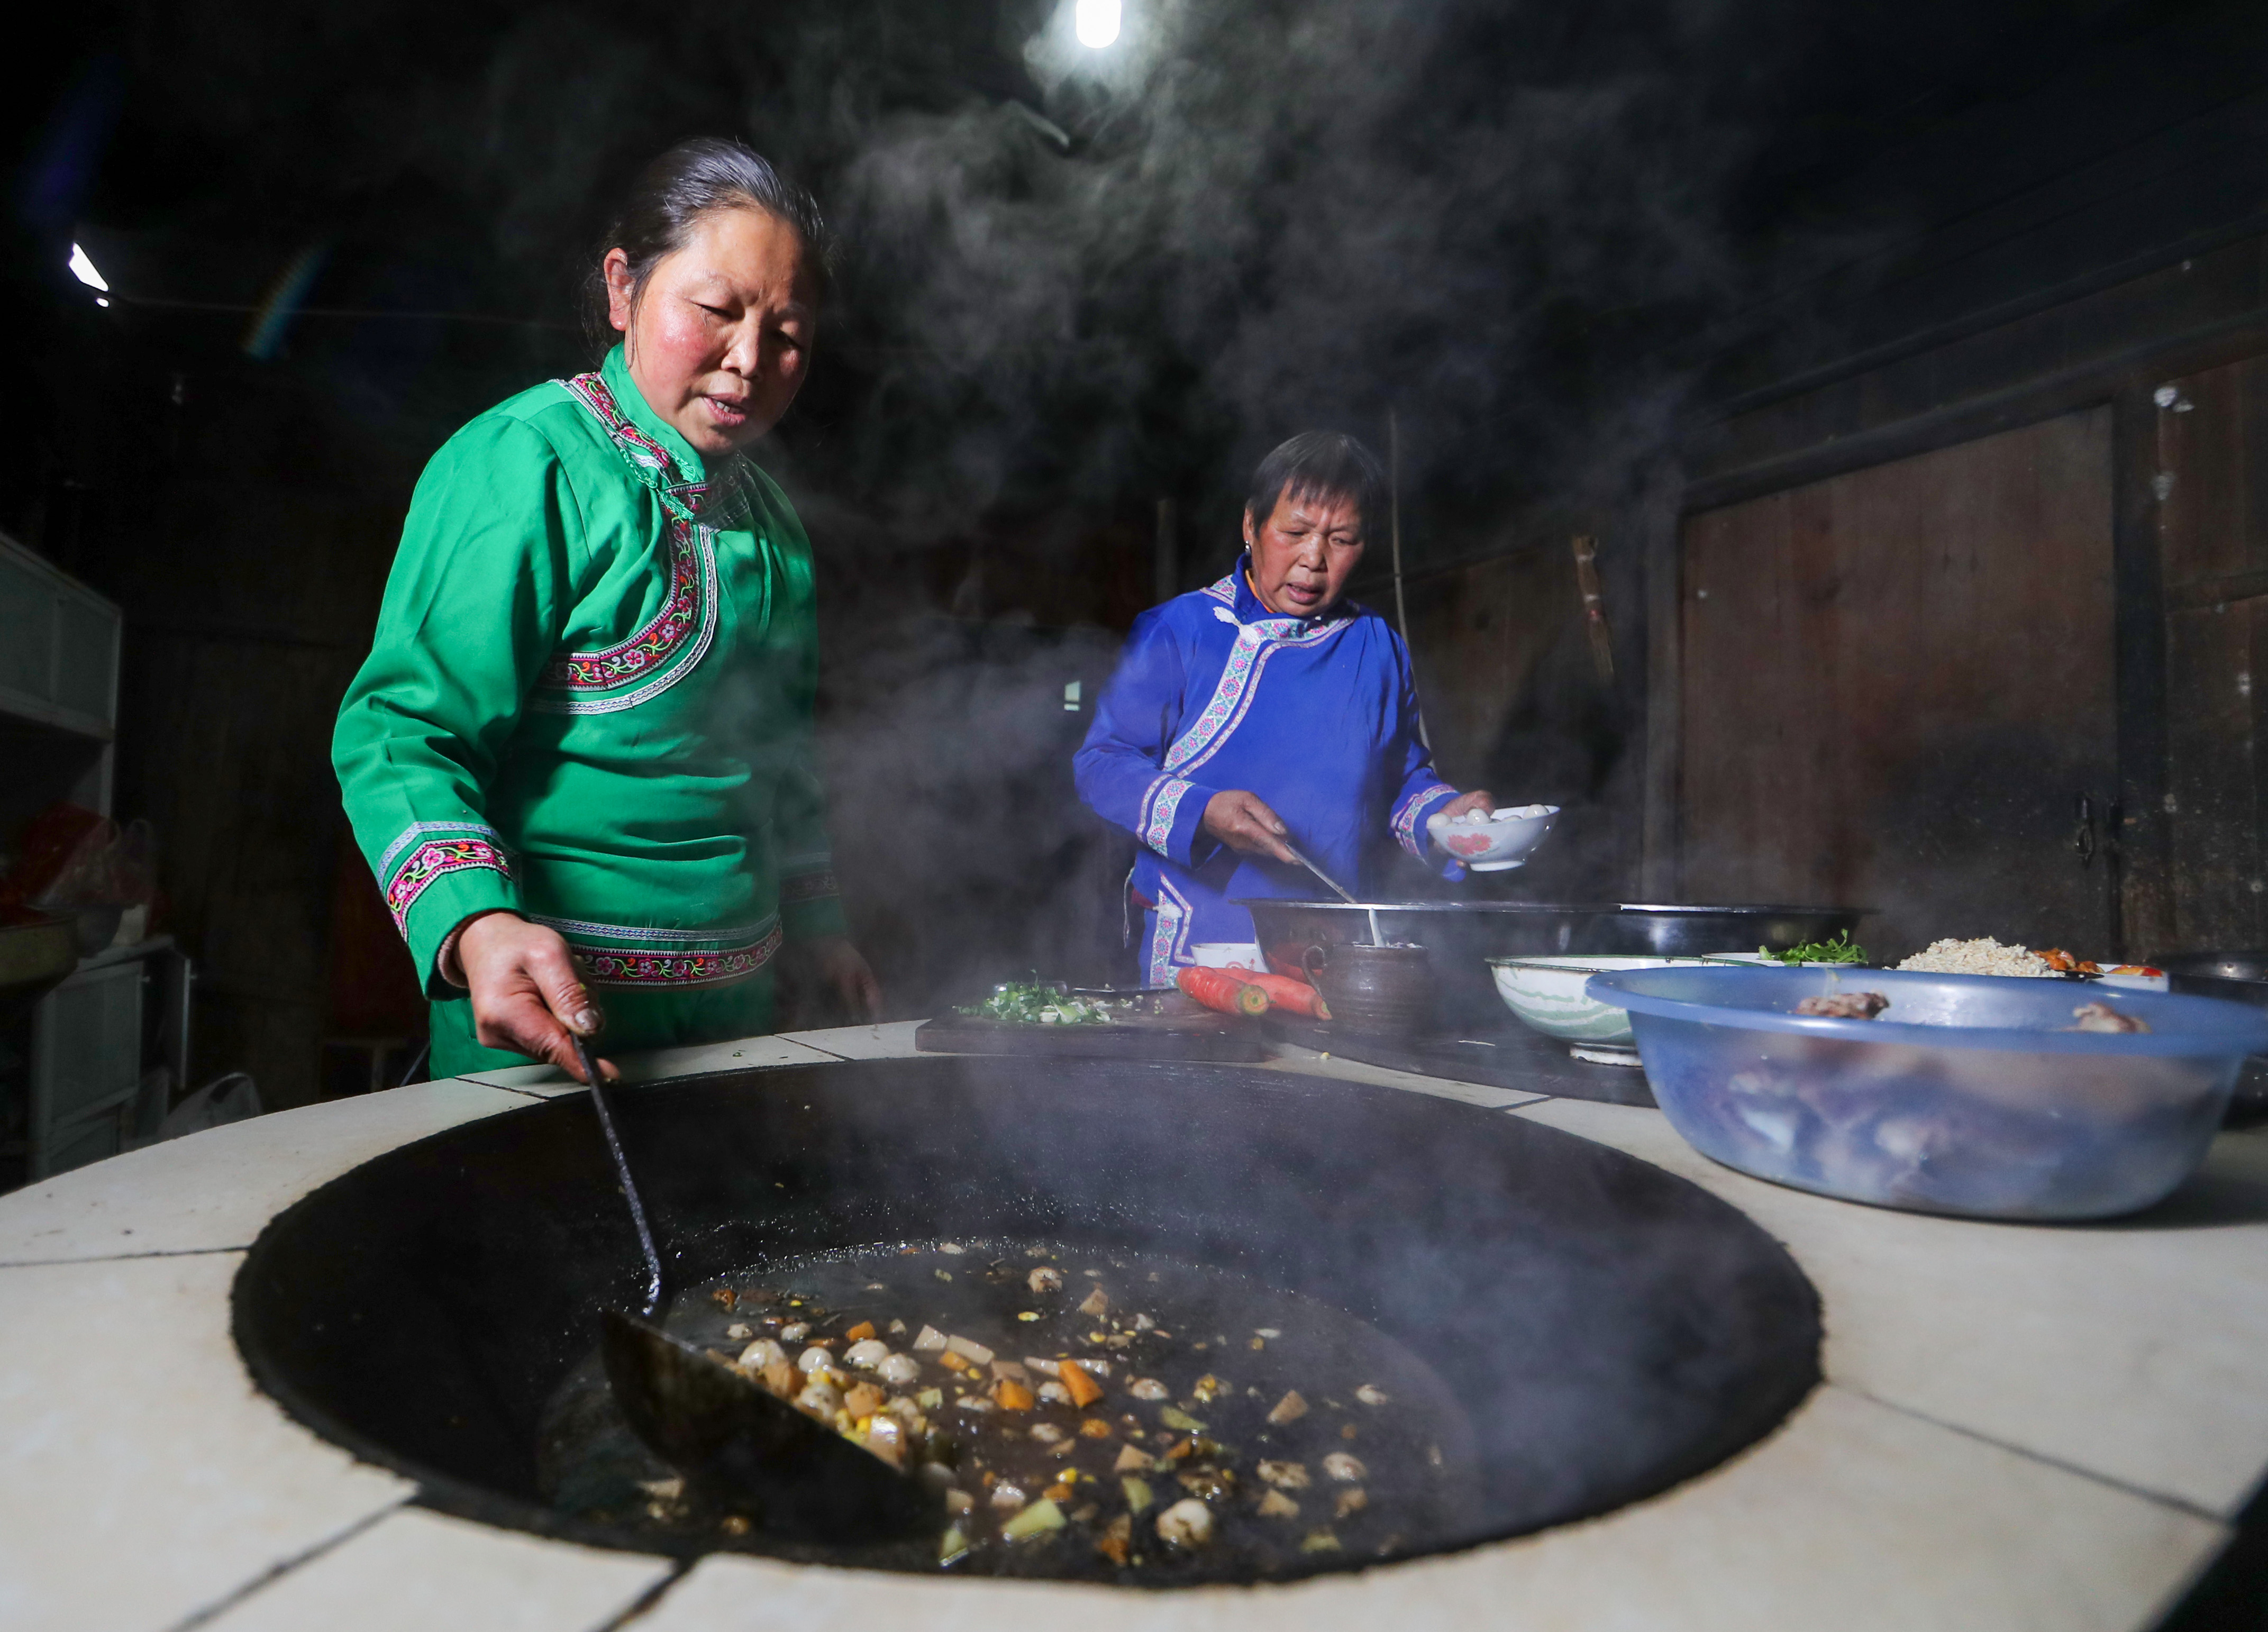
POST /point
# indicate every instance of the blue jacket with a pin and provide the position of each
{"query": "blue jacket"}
(1317, 716)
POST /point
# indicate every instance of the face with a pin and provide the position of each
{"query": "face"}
(721, 339)
(1304, 553)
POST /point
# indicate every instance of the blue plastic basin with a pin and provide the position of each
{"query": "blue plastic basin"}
(1971, 1094)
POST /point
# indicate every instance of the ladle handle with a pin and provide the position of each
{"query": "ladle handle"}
(1336, 887)
(622, 1176)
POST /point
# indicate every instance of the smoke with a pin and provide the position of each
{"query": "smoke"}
(1269, 217)
(1072, 282)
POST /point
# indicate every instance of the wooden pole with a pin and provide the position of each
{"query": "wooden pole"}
(1594, 611)
(1394, 510)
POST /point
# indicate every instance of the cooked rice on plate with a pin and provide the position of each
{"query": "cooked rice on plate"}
(1985, 956)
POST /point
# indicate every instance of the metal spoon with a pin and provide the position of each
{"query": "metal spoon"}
(724, 1431)
(1375, 938)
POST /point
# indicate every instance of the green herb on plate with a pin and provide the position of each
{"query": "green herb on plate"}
(1840, 950)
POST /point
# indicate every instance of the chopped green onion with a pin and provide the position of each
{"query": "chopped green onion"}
(1840, 950)
(1039, 1005)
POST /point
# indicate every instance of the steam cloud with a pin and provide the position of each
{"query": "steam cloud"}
(1080, 280)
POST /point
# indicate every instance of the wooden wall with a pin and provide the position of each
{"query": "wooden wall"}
(2166, 370)
(1515, 701)
(1897, 684)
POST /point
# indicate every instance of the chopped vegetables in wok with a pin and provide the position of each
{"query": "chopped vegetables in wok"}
(1119, 1433)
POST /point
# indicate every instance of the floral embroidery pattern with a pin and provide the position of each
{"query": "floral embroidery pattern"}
(1405, 817)
(687, 499)
(409, 837)
(436, 859)
(1168, 939)
(614, 966)
(1163, 809)
(620, 954)
(675, 640)
(1239, 684)
(654, 644)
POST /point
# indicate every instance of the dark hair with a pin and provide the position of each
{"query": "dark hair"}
(1320, 464)
(669, 198)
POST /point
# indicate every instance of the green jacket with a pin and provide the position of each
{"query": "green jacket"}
(589, 698)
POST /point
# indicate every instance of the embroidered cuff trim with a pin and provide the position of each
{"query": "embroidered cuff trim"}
(434, 859)
(1159, 833)
(1406, 818)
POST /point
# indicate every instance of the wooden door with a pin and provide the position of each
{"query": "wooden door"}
(1899, 684)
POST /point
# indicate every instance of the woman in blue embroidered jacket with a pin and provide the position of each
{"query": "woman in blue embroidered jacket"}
(579, 754)
(1263, 707)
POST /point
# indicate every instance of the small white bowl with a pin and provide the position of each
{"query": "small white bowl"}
(1245, 955)
(1498, 841)
(1548, 995)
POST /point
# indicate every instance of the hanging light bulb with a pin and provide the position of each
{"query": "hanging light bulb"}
(83, 270)
(1097, 22)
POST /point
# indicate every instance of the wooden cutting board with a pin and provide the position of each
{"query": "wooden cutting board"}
(1184, 1031)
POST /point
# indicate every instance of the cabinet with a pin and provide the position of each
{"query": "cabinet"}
(71, 1076)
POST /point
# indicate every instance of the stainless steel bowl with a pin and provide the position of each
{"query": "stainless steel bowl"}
(1462, 936)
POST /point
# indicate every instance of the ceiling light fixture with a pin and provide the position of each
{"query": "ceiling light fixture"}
(83, 270)
(1097, 22)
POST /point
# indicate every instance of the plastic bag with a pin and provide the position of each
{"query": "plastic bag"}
(224, 1099)
(107, 867)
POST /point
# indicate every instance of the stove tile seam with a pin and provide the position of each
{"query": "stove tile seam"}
(275, 1572)
(111, 1258)
(647, 1601)
(2180, 1505)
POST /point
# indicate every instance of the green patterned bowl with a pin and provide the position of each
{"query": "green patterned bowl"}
(1547, 993)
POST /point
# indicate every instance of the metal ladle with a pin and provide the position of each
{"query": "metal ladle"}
(1372, 912)
(728, 1433)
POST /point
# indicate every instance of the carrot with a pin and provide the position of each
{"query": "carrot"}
(1218, 988)
(1010, 1395)
(1085, 1391)
(1283, 992)
(861, 1332)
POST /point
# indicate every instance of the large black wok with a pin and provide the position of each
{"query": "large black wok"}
(1611, 1329)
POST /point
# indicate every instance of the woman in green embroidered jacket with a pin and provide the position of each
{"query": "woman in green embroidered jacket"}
(583, 735)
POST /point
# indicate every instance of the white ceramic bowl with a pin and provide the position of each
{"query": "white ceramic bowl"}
(1548, 995)
(1245, 955)
(1500, 842)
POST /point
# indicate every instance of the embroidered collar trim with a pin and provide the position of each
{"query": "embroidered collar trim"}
(723, 495)
(1234, 592)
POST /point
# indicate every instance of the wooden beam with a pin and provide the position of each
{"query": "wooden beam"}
(2063, 392)
(2220, 591)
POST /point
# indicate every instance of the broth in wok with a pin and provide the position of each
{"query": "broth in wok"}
(1086, 1414)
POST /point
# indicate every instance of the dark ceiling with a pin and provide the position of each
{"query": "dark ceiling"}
(1507, 221)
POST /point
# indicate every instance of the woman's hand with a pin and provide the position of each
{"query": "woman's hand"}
(1479, 799)
(845, 973)
(528, 994)
(1240, 821)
